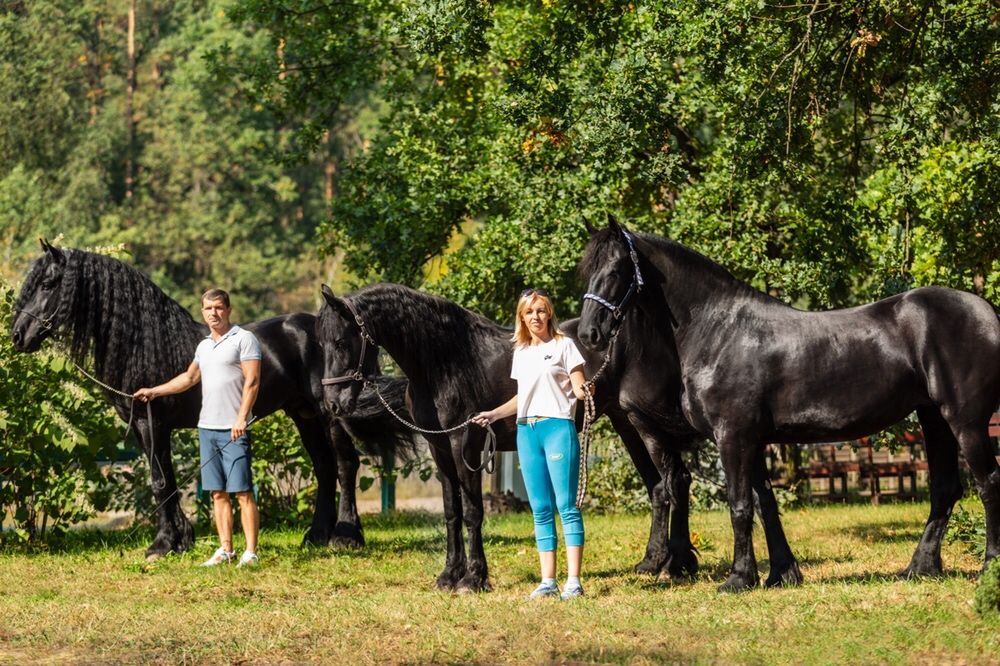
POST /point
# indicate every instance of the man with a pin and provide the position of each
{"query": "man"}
(227, 362)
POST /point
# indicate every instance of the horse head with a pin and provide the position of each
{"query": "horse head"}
(350, 356)
(610, 266)
(37, 313)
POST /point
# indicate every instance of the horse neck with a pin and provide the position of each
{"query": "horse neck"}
(694, 289)
(428, 337)
(136, 334)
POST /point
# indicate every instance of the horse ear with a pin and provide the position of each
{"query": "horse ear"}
(591, 229)
(613, 224)
(53, 252)
(328, 295)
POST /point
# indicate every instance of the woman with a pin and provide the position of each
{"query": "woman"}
(549, 372)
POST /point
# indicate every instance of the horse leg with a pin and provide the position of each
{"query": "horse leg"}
(784, 567)
(946, 489)
(476, 578)
(975, 444)
(174, 531)
(347, 531)
(455, 562)
(314, 437)
(683, 557)
(738, 453)
(657, 553)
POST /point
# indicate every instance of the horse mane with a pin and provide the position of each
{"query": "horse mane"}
(450, 339)
(692, 265)
(136, 334)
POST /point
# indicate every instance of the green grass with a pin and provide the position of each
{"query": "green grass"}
(89, 603)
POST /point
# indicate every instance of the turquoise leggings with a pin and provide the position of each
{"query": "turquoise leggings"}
(549, 452)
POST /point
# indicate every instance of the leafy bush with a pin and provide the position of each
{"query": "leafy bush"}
(988, 591)
(613, 483)
(55, 430)
(283, 472)
(968, 528)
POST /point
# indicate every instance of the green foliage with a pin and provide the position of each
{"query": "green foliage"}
(828, 155)
(209, 205)
(283, 473)
(968, 528)
(56, 437)
(987, 600)
(613, 484)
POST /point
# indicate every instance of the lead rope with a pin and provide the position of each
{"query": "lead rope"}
(589, 416)
(157, 485)
(489, 446)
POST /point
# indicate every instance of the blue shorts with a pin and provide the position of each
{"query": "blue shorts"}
(226, 464)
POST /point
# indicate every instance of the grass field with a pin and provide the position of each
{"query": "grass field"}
(90, 603)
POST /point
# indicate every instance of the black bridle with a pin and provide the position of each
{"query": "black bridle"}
(618, 311)
(366, 339)
(46, 322)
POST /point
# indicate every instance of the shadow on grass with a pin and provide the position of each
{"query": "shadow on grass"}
(597, 654)
(881, 577)
(897, 531)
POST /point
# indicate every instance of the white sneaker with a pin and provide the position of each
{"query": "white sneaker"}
(248, 559)
(219, 557)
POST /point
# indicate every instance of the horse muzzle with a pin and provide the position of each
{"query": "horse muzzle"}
(24, 339)
(340, 400)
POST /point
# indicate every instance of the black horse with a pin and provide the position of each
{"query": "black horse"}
(755, 370)
(138, 336)
(458, 363)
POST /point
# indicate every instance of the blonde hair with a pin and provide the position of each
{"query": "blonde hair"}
(522, 336)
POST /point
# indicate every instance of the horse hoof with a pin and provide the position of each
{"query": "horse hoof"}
(736, 583)
(471, 584)
(920, 571)
(789, 576)
(682, 565)
(153, 557)
(649, 566)
(310, 538)
(447, 580)
(349, 543)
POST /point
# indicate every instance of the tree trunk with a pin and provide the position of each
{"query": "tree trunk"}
(129, 110)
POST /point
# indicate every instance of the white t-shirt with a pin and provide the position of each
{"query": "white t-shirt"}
(542, 374)
(222, 376)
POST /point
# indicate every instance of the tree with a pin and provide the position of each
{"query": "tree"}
(800, 145)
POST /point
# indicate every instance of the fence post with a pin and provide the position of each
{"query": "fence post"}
(388, 482)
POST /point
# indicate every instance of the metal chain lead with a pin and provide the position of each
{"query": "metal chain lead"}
(489, 446)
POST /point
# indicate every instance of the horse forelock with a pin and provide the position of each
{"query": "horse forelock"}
(134, 331)
(602, 248)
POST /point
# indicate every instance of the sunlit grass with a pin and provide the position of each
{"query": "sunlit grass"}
(96, 599)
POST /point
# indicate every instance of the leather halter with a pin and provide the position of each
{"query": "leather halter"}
(619, 310)
(46, 322)
(358, 375)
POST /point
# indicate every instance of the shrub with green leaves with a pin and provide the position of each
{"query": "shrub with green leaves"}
(968, 528)
(988, 591)
(613, 483)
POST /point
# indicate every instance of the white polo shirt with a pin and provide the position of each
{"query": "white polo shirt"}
(222, 376)
(542, 373)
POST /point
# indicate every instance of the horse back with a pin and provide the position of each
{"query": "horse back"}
(810, 376)
(291, 364)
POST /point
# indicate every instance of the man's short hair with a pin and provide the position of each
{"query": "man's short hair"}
(216, 295)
